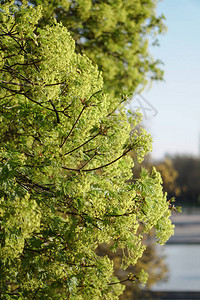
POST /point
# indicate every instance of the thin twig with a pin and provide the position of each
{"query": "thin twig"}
(82, 144)
(106, 165)
(73, 126)
(87, 162)
(28, 85)
(118, 282)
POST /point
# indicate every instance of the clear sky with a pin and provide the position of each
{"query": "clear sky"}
(173, 118)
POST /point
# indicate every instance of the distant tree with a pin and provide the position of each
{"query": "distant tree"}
(115, 35)
(169, 176)
(165, 167)
(64, 169)
(188, 169)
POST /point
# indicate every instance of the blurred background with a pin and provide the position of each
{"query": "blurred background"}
(176, 126)
(171, 111)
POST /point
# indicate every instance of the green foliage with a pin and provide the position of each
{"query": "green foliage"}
(152, 262)
(155, 211)
(115, 35)
(65, 170)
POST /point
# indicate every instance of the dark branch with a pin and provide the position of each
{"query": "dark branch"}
(119, 281)
(57, 116)
(82, 144)
(87, 162)
(103, 166)
(73, 126)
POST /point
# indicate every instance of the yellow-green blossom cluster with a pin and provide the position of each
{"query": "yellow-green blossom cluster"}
(65, 170)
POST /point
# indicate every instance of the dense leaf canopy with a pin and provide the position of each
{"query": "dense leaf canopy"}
(115, 35)
(65, 170)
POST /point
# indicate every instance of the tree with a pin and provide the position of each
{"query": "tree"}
(188, 169)
(65, 170)
(169, 176)
(115, 35)
(167, 170)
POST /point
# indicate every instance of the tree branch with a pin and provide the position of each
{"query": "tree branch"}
(103, 166)
(82, 144)
(73, 126)
(118, 282)
(87, 162)
(57, 116)
(28, 85)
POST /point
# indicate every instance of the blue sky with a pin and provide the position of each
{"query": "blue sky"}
(176, 126)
